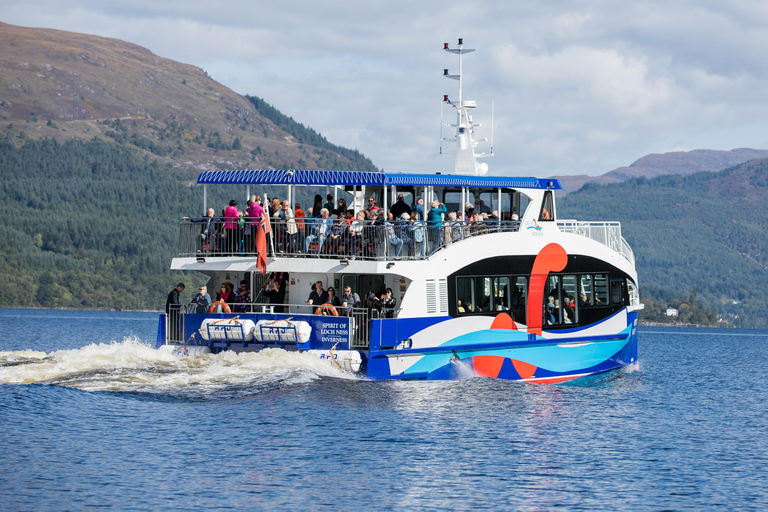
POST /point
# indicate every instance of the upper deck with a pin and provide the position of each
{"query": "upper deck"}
(503, 204)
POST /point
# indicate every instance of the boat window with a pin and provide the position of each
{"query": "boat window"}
(487, 202)
(501, 294)
(452, 201)
(570, 304)
(600, 297)
(485, 285)
(519, 296)
(547, 207)
(465, 294)
(634, 297)
(617, 291)
(552, 311)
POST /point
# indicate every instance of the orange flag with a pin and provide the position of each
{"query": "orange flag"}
(261, 241)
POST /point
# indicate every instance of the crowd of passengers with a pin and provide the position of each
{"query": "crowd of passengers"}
(272, 293)
(327, 228)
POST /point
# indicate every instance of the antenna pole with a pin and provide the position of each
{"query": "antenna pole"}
(441, 127)
(492, 106)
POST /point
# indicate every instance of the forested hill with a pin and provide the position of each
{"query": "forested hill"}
(64, 85)
(706, 232)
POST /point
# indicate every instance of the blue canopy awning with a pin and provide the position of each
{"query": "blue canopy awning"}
(297, 177)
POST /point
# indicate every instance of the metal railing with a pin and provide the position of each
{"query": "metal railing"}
(359, 318)
(332, 238)
(607, 233)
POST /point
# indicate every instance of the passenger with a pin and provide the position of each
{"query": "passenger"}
(399, 208)
(447, 235)
(320, 231)
(458, 228)
(202, 300)
(395, 242)
(460, 307)
(317, 296)
(374, 305)
(435, 224)
(208, 230)
(569, 310)
(341, 211)
(371, 206)
(404, 229)
(336, 237)
(275, 290)
(254, 217)
(389, 303)
(350, 301)
(242, 298)
(274, 206)
(231, 218)
(173, 310)
(329, 205)
(356, 229)
(287, 238)
(583, 301)
(301, 234)
(333, 300)
(551, 311)
(226, 293)
(469, 212)
(317, 205)
(417, 230)
(419, 209)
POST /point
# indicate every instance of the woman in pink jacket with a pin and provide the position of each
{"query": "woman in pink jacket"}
(254, 216)
(231, 218)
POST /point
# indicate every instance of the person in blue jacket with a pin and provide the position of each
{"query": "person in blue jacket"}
(435, 224)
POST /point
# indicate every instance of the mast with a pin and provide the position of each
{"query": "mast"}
(465, 158)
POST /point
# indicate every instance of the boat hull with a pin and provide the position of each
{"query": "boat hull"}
(514, 354)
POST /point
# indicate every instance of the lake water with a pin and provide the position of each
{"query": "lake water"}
(92, 417)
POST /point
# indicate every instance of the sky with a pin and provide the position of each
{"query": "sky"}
(577, 87)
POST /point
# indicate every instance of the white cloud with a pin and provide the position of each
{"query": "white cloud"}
(579, 86)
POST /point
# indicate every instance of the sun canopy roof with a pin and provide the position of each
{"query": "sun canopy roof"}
(274, 177)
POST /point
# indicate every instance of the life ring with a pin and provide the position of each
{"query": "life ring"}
(327, 309)
(224, 307)
(544, 214)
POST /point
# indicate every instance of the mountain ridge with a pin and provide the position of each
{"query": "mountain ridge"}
(680, 163)
(64, 85)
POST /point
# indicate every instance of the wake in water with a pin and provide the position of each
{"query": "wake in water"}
(134, 366)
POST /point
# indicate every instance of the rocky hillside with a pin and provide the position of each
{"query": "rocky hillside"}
(64, 85)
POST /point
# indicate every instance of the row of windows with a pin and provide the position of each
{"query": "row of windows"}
(568, 298)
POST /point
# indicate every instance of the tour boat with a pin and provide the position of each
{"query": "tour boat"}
(515, 293)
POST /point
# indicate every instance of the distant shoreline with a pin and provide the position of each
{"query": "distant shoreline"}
(86, 309)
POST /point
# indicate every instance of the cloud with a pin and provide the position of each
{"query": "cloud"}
(578, 86)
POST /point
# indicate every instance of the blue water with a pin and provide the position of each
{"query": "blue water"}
(92, 417)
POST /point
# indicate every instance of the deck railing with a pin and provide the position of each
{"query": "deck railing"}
(332, 238)
(607, 233)
(359, 317)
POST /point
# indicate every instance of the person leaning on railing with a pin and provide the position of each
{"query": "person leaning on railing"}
(209, 229)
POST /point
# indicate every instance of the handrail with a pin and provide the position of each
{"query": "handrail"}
(359, 317)
(332, 238)
(607, 233)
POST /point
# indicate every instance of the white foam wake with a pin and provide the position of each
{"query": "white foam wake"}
(131, 365)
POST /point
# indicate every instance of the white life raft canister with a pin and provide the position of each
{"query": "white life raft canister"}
(227, 329)
(348, 360)
(282, 331)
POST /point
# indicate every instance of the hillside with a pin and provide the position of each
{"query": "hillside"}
(63, 85)
(707, 231)
(678, 162)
